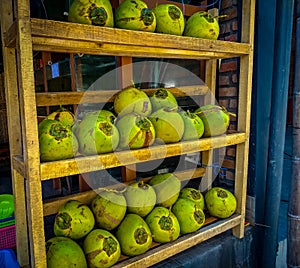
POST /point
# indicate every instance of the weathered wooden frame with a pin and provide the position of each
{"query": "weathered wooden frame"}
(21, 35)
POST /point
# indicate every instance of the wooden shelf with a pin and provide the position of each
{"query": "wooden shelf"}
(83, 164)
(87, 39)
(22, 35)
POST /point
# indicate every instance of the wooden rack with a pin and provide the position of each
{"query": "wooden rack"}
(21, 35)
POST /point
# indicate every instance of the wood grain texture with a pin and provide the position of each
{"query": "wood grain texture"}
(93, 163)
(66, 98)
(244, 110)
(14, 132)
(79, 38)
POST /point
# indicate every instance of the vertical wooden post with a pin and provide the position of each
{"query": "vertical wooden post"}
(125, 79)
(14, 130)
(244, 109)
(210, 80)
(30, 135)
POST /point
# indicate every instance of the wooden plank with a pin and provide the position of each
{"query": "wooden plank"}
(208, 156)
(51, 206)
(210, 98)
(97, 48)
(14, 131)
(167, 250)
(9, 38)
(80, 165)
(18, 164)
(125, 79)
(244, 110)
(106, 35)
(66, 98)
(30, 136)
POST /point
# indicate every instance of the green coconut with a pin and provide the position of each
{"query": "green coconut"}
(135, 15)
(74, 219)
(202, 25)
(220, 202)
(134, 235)
(193, 126)
(109, 208)
(56, 141)
(194, 195)
(66, 117)
(132, 100)
(108, 115)
(93, 12)
(216, 119)
(163, 98)
(169, 19)
(189, 214)
(167, 187)
(140, 198)
(168, 124)
(101, 248)
(62, 252)
(163, 224)
(135, 131)
(96, 135)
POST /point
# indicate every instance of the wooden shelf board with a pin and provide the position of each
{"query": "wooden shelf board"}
(107, 49)
(81, 38)
(52, 205)
(83, 164)
(68, 98)
(184, 242)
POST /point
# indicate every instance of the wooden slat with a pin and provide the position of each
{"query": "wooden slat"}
(85, 164)
(9, 38)
(210, 80)
(14, 131)
(106, 35)
(66, 98)
(124, 79)
(92, 163)
(51, 206)
(111, 49)
(244, 108)
(18, 164)
(31, 154)
(167, 250)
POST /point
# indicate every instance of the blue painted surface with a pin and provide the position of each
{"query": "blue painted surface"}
(286, 185)
(281, 70)
(270, 91)
(8, 259)
(287, 166)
